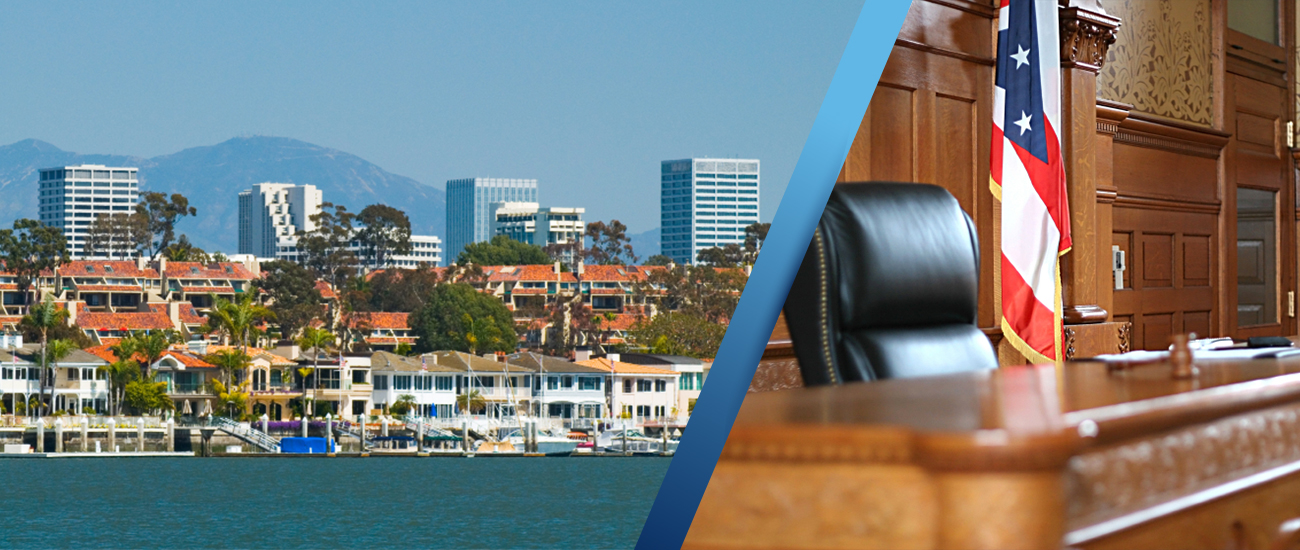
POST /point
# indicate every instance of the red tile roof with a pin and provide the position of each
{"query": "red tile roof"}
(388, 340)
(611, 273)
(377, 320)
(104, 352)
(108, 288)
(189, 315)
(522, 290)
(103, 268)
(622, 321)
(131, 321)
(500, 273)
(222, 289)
(214, 270)
(620, 367)
(325, 290)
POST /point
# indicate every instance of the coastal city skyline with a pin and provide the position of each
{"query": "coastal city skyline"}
(438, 117)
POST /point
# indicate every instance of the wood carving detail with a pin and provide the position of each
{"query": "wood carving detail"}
(776, 374)
(1124, 330)
(1162, 61)
(1085, 42)
(1128, 477)
(1069, 344)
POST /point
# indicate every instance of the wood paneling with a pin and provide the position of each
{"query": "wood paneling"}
(1170, 281)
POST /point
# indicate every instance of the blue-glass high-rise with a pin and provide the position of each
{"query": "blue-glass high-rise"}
(468, 217)
(706, 203)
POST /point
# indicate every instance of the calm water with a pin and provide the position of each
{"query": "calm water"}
(315, 503)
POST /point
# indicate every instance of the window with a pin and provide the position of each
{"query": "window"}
(589, 382)
(659, 411)
(443, 383)
(277, 378)
(661, 386)
(402, 382)
(445, 411)
(74, 375)
(329, 379)
(358, 376)
(566, 382)
(424, 383)
(381, 381)
(643, 385)
(627, 386)
(642, 411)
(552, 382)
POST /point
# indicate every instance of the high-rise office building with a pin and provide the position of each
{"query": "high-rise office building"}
(272, 212)
(705, 203)
(72, 196)
(469, 208)
(529, 223)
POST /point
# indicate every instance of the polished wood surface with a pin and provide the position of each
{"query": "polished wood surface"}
(1042, 456)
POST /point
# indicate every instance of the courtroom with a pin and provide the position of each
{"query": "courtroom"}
(1051, 301)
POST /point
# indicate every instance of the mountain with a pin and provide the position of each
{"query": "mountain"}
(212, 177)
(645, 244)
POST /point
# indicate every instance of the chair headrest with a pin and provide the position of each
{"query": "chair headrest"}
(903, 254)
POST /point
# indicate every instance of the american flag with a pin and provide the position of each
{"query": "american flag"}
(424, 367)
(1028, 176)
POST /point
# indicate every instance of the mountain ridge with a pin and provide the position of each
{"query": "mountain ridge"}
(212, 176)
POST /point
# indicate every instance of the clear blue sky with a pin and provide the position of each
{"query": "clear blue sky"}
(587, 97)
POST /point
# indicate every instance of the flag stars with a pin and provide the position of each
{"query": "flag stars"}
(1021, 56)
(1023, 123)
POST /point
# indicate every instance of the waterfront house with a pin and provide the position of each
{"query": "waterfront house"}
(564, 391)
(77, 383)
(270, 379)
(186, 374)
(689, 383)
(430, 384)
(339, 388)
(503, 386)
(643, 393)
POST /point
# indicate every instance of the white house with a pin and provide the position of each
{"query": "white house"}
(690, 382)
(565, 391)
(77, 382)
(641, 392)
(433, 386)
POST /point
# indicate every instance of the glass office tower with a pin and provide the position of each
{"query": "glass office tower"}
(469, 214)
(72, 196)
(706, 203)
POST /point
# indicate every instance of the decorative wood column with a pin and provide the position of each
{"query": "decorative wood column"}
(1086, 34)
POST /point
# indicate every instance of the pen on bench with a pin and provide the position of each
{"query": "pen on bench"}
(1278, 354)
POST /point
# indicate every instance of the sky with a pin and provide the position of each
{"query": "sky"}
(586, 97)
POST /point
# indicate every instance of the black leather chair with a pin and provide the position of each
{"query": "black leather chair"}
(888, 288)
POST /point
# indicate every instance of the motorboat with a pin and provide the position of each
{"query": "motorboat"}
(547, 444)
(633, 441)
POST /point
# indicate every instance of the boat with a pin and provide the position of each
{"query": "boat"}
(547, 444)
(633, 441)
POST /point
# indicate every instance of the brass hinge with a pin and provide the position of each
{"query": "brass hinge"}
(1290, 133)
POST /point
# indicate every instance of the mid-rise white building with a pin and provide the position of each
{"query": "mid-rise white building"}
(706, 203)
(526, 222)
(72, 196)
(270, 212)
(425, 250)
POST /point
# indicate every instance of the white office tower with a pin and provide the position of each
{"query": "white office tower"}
(706, 203)
(526, 222)
(72, 196)
(426, 251)
(469, 208)
(271, 212)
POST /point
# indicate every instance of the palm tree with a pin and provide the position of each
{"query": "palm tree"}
(118, 373)
(230, 361)
(404, 404)
(56, 351)
(317, 340)
(471, 401)
(147, 348)
(45, 317)
(481, 333)
(238, 319)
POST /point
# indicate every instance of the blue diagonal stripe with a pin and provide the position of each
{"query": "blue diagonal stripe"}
(814, 175)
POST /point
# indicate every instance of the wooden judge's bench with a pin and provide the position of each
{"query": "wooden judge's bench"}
(1081, 455)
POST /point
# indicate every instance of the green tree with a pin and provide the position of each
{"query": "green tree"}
(233, 398)
(503, 250)
(703, 291)
(386, 231)
(730, 255)
(161, 214)
(230, 361)
(318, 340)
(659, 259)
(403, 405)
(118, 374)
(61, 331)
(120, 235)
(146, 348)
(472, 401)
(292, 292)
(403, 290)
(455, 311)
(30, 248)
(679, 334)
(324, 250)
(184, 251)
(55, 351)
(610, 244)
(44, 317)
(147, 397)
(238, 319)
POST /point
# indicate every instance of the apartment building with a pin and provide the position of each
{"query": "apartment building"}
(469, 208)
(271, 212)
(529, 223)
(71, 197)
(706, 202)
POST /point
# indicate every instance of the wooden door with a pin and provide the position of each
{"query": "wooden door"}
(1260, 269)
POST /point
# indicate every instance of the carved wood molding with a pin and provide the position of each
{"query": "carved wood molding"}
(1069, 344)
(1125, 329)
(1154, 132)
(1121, 479)
(912, 44)
(1086, 36)
(1168, 204)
